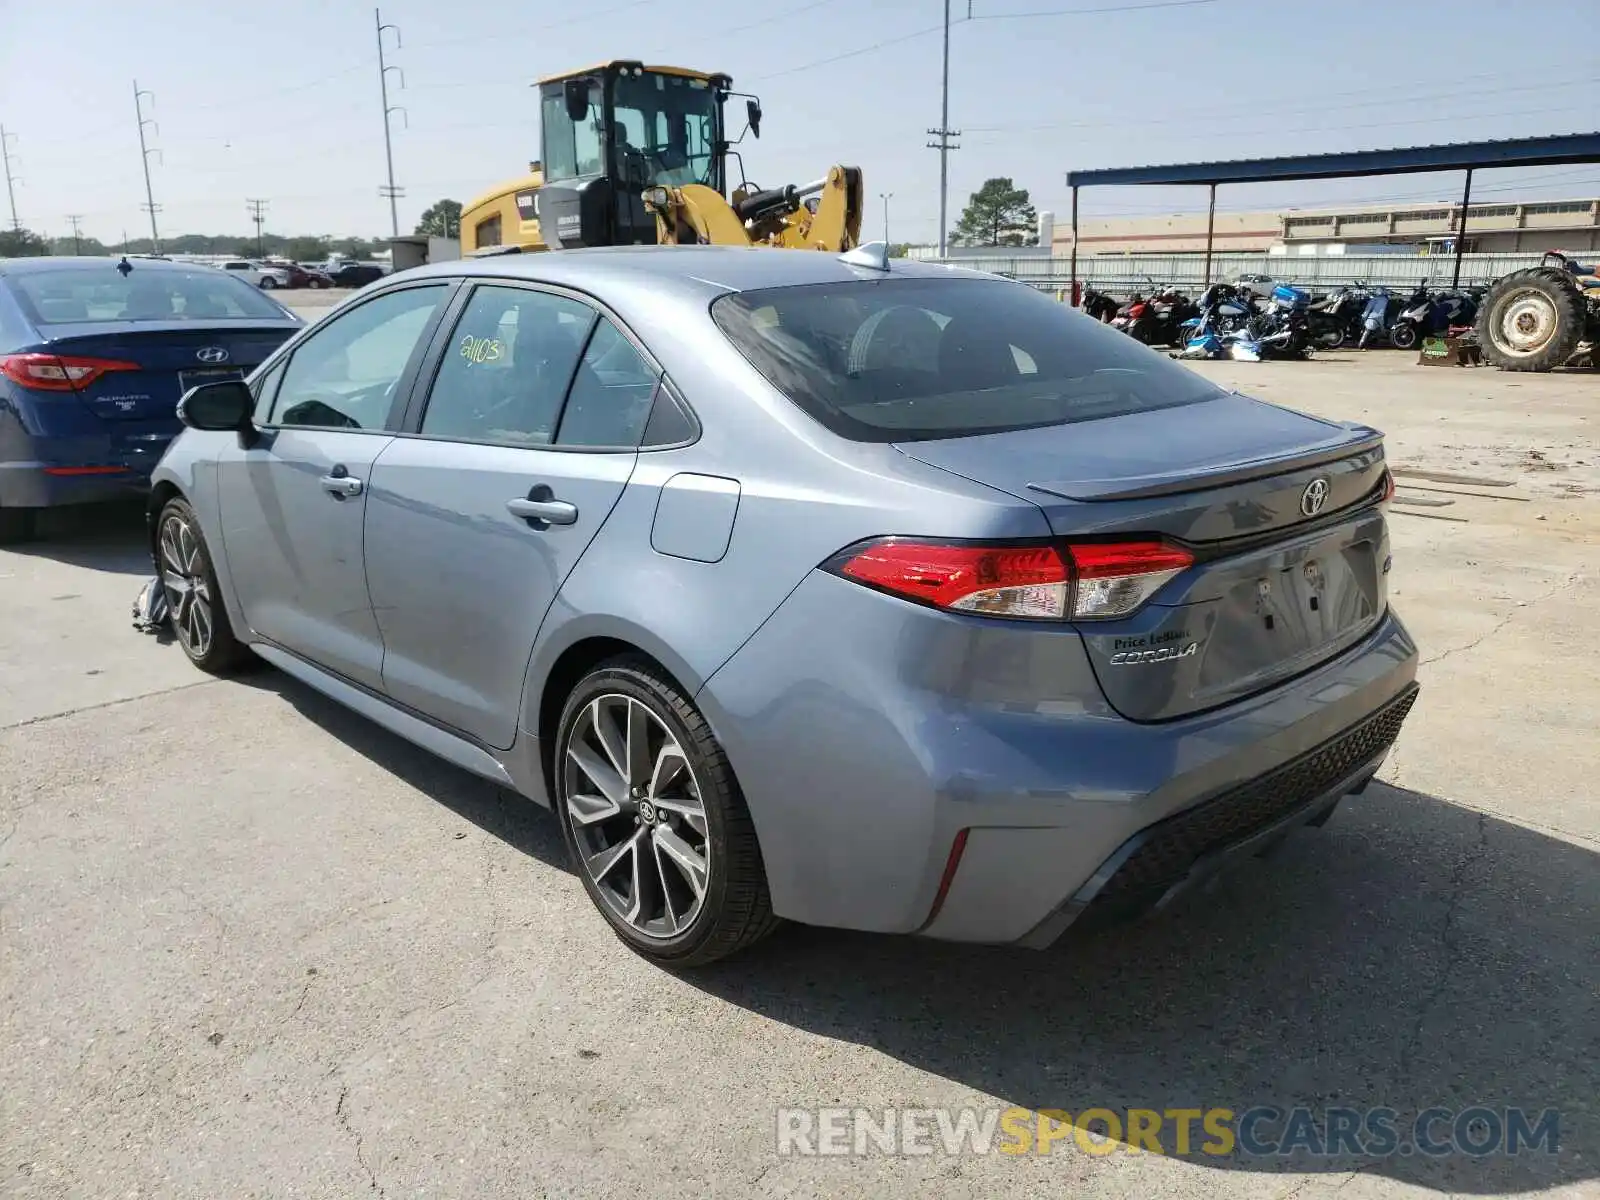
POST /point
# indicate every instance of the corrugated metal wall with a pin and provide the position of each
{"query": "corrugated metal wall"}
(1134, 272)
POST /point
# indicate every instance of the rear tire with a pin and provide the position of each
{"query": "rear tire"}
(692, 888)
(18, 525)
(1403, 336)
(1531, 320)
(194, 598)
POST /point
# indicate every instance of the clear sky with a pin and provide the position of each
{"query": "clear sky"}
(279, 99)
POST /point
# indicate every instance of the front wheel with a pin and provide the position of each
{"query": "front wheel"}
(194, 597)
(1404, 335)
(654, 821)
(268, 283)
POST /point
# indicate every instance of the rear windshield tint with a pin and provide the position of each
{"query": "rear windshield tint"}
(896, 360)
(74, 295)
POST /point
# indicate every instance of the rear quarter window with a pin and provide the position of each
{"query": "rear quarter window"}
(916, 359)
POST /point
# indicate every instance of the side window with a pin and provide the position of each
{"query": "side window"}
(264, 388)
(611, 393)
(671, 423)
(344, 376)
(506, 367)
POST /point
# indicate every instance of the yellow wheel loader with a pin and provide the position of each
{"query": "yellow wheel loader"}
(637, 155)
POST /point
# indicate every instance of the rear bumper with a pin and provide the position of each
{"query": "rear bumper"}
(867, 733)
(30, 485)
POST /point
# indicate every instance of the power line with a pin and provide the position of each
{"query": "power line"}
(145, 151)
(11, 180)
(392, 192)
(258, 214)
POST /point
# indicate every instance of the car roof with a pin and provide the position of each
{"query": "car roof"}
(692, 270)
(64, 262)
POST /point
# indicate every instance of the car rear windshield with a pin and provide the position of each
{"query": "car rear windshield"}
(76, 295)
(895, 360)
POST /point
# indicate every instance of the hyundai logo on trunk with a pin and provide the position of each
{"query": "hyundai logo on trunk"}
(212, 354)
(1314, 497)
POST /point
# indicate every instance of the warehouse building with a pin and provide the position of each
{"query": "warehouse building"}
(1531, 226)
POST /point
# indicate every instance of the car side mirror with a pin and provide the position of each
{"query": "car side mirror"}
(222, 407)
(576, 92)
(752, 112)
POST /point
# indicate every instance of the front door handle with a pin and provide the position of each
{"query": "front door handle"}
(549, 512)
(341, 486)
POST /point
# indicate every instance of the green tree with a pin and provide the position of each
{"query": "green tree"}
(22, 243)
(998, 214)
(307, 249)
(441, 219)
(85, 245)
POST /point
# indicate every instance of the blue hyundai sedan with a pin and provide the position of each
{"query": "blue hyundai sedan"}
(94, 355)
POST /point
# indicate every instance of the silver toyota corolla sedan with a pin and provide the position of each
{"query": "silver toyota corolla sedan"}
(846, 590)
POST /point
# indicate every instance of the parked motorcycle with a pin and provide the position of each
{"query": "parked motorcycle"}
(1383, 309)
(1336, 317)
(1433, 314)
(1098, 305)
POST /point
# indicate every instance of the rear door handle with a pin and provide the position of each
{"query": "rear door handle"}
(341, 486)
(550, 512)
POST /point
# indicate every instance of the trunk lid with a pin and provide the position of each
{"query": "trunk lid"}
(1278, 507)
(169, 356)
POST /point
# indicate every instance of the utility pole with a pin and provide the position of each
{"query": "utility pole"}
(77, 233)
(388, 145)
(11, 180)
(886, 197)
(258, 209)
(145, 151)
(944, 133)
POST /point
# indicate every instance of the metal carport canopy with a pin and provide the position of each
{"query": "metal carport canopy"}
(1468, 156)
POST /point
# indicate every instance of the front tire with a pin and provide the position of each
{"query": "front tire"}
(654, 820)
(1403, 336)
(194, 598)
(268, 283)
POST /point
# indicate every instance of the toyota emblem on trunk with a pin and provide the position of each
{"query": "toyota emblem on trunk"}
(212, 354)
(1314, 497)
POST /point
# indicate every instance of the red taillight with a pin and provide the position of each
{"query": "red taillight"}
(1388, 488)
(58, 372)
(1114, 578)
(1083, 581)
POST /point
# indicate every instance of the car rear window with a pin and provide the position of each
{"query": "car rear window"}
(895, 360)
(69, 295)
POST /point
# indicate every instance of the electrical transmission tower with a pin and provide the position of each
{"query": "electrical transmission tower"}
(145, 151)
(258, 214)
(389, 190)
(11, 180)
(944, 134)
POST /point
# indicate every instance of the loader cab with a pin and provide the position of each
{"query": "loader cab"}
(612, 131)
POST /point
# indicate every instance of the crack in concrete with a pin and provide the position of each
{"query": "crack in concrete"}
(343, 1120)
(83, 708)
(1448, 937)
(1502, 622)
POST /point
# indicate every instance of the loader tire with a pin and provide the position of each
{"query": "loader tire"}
(1531, 320)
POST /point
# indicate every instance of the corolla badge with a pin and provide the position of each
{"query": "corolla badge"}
(1314, 497)
(212, 354)
(1131, 658)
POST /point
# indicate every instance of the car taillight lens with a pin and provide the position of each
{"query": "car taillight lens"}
(1388, 488)
(58, 372)
(1087, 581)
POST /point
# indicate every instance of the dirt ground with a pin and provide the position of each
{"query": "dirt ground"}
(252, 946)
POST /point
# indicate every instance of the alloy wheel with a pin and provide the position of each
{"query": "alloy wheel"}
(183, 578)
(637, 815)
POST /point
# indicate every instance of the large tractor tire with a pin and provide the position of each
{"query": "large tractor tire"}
(1531, 320)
